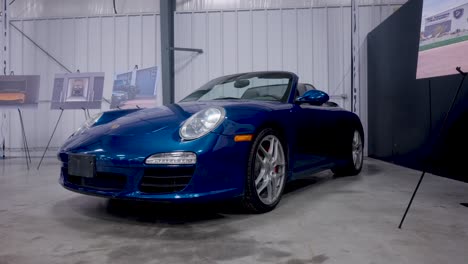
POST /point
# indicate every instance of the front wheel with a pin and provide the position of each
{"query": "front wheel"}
(354, 158)
(266, 172)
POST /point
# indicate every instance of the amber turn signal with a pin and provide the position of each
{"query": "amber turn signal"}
(240, 138)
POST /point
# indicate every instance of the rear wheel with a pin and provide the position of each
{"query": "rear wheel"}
(355, 157)
(266, 172)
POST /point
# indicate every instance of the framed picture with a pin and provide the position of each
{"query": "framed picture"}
(135, 89)
(78, 90)
(19, 90)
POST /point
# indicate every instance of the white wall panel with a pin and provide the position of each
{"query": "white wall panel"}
(183, 60)
(335, 54)
(67, 43)
(320, 48)
(214, 45)
(244, 41)
(229, 34)
(347, 71)
(199, 39)
(70, 8)
(122, 41)
(148, 43)
(275, 40)
(108, 55)
(94, 44)
(135, 43)
(305, 48)
(158, 59)
(289, 37)
(259, 40)
(202, 5)
(81, 45)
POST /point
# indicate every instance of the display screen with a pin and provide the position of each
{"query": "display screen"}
(443, 42)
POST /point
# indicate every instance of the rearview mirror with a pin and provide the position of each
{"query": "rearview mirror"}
(241, 83)
(313, 97)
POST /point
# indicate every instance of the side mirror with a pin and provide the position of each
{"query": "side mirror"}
(313, 97)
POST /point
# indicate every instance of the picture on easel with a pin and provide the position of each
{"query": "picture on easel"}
(78, 90)
(135, 89)
(19, 90)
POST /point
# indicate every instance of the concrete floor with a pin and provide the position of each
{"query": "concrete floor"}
(322, 220)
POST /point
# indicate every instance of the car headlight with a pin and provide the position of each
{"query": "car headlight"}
(201, 123)
(88, 123)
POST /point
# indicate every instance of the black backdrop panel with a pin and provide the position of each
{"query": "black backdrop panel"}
(401, 129)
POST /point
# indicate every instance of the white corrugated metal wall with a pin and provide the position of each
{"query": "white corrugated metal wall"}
(71, 8)
(111, 44)
(314, 42)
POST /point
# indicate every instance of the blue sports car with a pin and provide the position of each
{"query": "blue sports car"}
(238, 136)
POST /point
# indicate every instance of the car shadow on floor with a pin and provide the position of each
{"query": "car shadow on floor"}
(173, 214)
(194, 212)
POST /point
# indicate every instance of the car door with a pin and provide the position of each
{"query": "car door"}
(315, 135)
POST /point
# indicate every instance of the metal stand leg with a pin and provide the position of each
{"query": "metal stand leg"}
(24, 136)
(48, 144)
(25, 141)
(3, 149)
(86, 113)
(412, 198)
(435, 142)
(3, 118)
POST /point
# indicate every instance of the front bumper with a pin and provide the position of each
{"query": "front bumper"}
(219, 173)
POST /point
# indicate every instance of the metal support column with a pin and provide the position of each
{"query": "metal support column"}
(5, 38)
(167, 9)
(355, 54)
(4, 56)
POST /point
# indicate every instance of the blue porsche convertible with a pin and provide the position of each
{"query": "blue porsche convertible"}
(238, 136)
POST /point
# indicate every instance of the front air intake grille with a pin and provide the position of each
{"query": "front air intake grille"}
(166, 180)
(102, 181)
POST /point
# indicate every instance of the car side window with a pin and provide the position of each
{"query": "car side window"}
(309, 87)
(300, 90)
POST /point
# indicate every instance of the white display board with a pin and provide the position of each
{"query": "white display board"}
(444, 38)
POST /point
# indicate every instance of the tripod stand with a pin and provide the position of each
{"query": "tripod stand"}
(431, 153)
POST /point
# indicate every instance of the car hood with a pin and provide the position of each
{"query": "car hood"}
(172, 116)
(162, 123)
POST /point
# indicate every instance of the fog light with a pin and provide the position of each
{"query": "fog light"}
(172, 158)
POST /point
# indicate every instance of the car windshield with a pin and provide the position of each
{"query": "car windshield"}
(252, 86)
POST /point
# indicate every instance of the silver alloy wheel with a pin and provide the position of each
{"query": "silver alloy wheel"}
(270, 168)
(357, 150)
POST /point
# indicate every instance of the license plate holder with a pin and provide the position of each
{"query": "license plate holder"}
(82, 165)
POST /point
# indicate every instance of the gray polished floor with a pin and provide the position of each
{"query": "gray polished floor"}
(322, 220)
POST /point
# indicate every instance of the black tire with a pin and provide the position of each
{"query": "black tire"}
(351, 167)
(252, 200)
